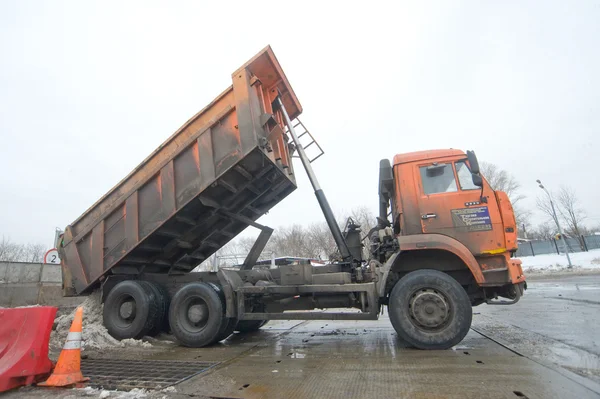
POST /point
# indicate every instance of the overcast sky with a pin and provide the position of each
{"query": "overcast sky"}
(88, 90)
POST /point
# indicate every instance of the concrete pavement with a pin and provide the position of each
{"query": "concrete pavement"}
(556, 323)
(543, 347)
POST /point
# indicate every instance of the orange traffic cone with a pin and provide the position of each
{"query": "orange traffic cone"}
(68, 367)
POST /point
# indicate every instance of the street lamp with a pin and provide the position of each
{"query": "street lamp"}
(562, 236)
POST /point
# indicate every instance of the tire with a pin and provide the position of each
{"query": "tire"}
(228, 330)
(197, 315)
(246, 326)
(167, 298)
(430, 310)
(130, 310)
(228, 323)
(162, 302)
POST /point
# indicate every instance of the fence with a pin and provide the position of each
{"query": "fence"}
(574, 244)
(23, 283)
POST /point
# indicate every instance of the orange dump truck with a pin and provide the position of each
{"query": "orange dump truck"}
(443, 241)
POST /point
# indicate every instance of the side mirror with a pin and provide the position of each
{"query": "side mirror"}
(477, 180)
(473, 163)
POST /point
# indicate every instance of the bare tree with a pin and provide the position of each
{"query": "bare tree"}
(568, 212)
(321, 238)
(34, 253)
(544, 205)
(571, 211)
(13, 252)
(544, 231)
(6, 249)
(293, 240)
(500, 179)
(314, 241)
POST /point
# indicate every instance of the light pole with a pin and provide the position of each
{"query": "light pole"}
(562, 236)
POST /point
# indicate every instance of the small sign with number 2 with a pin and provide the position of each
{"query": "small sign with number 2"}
(52, 256)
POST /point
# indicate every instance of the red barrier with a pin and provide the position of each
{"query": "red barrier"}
(24, 338)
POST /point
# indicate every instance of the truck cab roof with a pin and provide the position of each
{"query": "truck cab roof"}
(429, 154)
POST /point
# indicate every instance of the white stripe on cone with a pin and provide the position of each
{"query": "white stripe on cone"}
(72, 345)
(74, 336)
(73, 341)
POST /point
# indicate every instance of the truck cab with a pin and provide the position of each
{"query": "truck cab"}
(446, 216)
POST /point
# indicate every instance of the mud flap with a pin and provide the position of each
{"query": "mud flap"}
(230, 282)
(516, 294)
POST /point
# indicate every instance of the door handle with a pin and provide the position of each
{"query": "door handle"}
(429, 216)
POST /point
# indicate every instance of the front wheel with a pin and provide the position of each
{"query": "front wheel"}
(430, 310)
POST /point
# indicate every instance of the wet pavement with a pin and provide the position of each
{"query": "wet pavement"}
(557, 323)
(546, 346)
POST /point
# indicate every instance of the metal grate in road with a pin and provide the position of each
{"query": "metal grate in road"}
(125, 375)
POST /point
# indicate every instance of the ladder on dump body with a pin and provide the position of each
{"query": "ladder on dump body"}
(303, 131)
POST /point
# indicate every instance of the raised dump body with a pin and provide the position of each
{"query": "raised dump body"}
(223, 169)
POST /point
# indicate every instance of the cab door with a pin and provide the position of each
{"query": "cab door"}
(450, 204)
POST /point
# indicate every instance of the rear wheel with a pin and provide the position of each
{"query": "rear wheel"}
(197, 315)
(230, 323)
(245, 326)
(162, 303)
(228, 330)
(430, 310)
(130, 310)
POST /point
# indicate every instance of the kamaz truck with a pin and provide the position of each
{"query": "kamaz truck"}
(444, 240)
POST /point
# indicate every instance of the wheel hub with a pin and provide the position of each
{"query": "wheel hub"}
(127, 310)
(198, 313)
(429, 308)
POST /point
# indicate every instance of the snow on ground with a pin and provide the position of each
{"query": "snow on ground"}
(553, 263)
(94, 335)
(135, 393)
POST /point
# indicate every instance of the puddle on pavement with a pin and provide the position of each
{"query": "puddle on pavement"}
(544, 348)
(588, 364)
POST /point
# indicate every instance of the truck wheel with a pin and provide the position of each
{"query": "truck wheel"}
(430, 310)
(162, 303)
(130, 310)
(246, 326)
(196, 315)
(228, 330)
(230, 323)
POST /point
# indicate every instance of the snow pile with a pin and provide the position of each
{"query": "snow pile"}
(135, 393)
(554, 263)
(94, 334)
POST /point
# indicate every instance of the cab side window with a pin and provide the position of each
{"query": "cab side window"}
(438, 179)
(464, 177)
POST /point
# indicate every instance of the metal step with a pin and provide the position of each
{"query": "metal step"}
(303, 131)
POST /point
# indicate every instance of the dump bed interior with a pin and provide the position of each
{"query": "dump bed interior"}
(223, 169)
